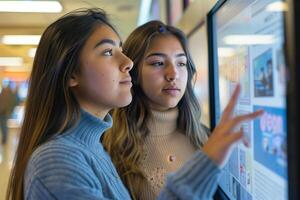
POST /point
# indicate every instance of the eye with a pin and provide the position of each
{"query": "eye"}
(108, 52)
(157, 64)
(181, 64)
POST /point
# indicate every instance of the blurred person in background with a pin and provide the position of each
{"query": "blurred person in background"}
(8, 100)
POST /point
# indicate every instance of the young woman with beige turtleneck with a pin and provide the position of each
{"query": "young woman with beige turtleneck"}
(160, 132)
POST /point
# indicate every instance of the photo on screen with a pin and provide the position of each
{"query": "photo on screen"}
(263, 75)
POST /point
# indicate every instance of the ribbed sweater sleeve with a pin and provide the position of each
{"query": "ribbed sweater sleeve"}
(196, 180)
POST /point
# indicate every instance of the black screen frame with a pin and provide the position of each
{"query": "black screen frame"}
(293, 96)
(292, 46)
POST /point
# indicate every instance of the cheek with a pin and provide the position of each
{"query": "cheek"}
(149, 89)
(149, 82)
(184, 77)
(149, 77)
(99, 76)
(97, 79)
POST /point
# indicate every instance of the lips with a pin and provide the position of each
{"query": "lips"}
(173, 91)
(171, 88)
(126, 81)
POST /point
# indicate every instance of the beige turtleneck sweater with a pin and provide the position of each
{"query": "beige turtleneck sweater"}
(166, 149)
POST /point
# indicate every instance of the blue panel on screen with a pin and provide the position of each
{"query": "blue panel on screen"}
(270, 140)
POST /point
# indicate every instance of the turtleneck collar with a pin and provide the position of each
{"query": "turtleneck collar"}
(163, 122)
(89, 129)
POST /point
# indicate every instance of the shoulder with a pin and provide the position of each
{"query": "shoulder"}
(57, 151)
(58, 161)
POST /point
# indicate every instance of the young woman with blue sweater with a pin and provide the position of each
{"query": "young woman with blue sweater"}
(79, 74)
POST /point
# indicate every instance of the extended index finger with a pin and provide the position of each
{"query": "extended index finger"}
(227, 113)
(240, 119)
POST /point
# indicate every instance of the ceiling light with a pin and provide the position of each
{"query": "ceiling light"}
(249, 39)
(277, 7)
(21, 39)
(11, 61)
(31, 6)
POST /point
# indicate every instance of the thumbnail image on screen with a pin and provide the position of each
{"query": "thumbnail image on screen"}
(249, 37)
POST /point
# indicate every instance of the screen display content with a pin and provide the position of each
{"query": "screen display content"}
(248, 42)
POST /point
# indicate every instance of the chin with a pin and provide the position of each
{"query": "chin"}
(171, 104)
(125, 101)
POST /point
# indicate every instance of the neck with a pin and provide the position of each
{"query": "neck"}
(95, 111)
(163, 122)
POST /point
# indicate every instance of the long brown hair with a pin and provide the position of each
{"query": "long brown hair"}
(51, 107)
(124, 141)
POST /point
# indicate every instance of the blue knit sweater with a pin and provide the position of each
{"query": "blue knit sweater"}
(74, 165)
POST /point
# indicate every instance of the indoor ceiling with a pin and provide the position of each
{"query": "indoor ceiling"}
(122, 13)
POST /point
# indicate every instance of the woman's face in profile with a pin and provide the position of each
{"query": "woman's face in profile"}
(103, 82)
(163, 72)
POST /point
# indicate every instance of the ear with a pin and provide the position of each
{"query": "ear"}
(73, 81)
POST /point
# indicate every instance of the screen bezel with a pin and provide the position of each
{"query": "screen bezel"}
(292, 32)
(292, 45)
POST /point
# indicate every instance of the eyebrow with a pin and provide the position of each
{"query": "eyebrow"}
(164, 55)
(108, 41)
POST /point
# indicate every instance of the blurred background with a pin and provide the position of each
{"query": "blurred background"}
(23, 22)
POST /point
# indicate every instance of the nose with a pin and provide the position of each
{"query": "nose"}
(171, 73)
(127, 64)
